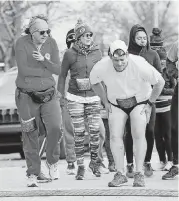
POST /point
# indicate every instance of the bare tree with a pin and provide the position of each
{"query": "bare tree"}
(11, 17)
(10, 24)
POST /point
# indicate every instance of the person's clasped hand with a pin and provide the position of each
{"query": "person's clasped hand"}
(38, 56)
(147, 110)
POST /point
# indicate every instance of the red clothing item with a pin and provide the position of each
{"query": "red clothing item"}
(36, 75)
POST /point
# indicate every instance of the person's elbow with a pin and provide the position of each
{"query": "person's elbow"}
(161, 82)
(95, 86)
(57, 70)
(61, 83)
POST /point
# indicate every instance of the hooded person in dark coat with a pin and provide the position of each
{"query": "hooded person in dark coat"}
(139, 45)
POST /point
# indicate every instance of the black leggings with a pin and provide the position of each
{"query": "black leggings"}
(163, 135)
(149, 137)
(107, 142)
(174, 121)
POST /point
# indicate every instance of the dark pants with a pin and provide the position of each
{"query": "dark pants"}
(149, 138)
(50, 114)
(163, 135)
(69, 136)
(107, 142)
(174, 121)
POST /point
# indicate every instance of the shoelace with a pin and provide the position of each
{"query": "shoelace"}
(138, 175)
(42, 174)
(32, 177)
(117, 175)
(52, 165)
(171, 170)
(96, 167)
(80, 170)
(71, 166)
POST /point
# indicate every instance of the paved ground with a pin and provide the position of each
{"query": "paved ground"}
(13, 184)
(89, 198)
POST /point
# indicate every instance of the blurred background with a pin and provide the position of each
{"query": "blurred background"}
(110, 20)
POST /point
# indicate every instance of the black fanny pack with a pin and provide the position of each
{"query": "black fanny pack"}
(42, 96)
(127, 103)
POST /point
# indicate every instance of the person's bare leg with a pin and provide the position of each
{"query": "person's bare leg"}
(138, 127)
(117, 121)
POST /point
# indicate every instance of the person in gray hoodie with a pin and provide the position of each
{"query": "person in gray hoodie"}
(37, 58)
(139, 45)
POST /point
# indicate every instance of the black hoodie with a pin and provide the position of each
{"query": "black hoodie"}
(150, 55)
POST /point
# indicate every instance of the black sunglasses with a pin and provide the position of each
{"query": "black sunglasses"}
(43, 32)
(71, 37)
(88, 35)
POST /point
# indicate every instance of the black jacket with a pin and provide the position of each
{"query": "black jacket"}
(150, 55)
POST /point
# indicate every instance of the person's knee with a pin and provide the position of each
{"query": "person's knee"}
(150, 128)
(116, 138)
(102, 135)
(149, 132)
(174, 129)
(138, 134)
(118, 142)
(55, 128)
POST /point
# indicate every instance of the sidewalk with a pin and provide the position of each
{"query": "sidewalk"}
(13, 184)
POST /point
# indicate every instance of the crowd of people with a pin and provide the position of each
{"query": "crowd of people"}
(136, 84)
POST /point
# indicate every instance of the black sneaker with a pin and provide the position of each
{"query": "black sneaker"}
(80, 172)
(139, 180)
(130, 171)
(172, 173)
(118, 180)
(43, 179)
(111, 167)
(148, 171)
(94, 167)
(71, 169)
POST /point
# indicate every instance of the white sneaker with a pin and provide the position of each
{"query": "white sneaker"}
(32, 181)
(53, 170)
(161, 165)
(168, 165)
(103, 169)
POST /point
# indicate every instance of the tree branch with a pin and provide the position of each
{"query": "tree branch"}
(165, 13)
(5, 23)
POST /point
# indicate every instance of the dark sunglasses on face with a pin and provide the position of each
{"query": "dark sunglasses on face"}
(88, 35)
(43, 32)
(71, 37)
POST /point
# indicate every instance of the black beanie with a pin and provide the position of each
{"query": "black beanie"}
(156, 38)
(70, 38)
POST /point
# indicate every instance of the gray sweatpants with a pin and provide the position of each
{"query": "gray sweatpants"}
(50, 113)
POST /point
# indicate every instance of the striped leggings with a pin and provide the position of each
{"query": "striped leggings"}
(79, 112)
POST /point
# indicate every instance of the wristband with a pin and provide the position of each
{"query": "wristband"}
(150, 103)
